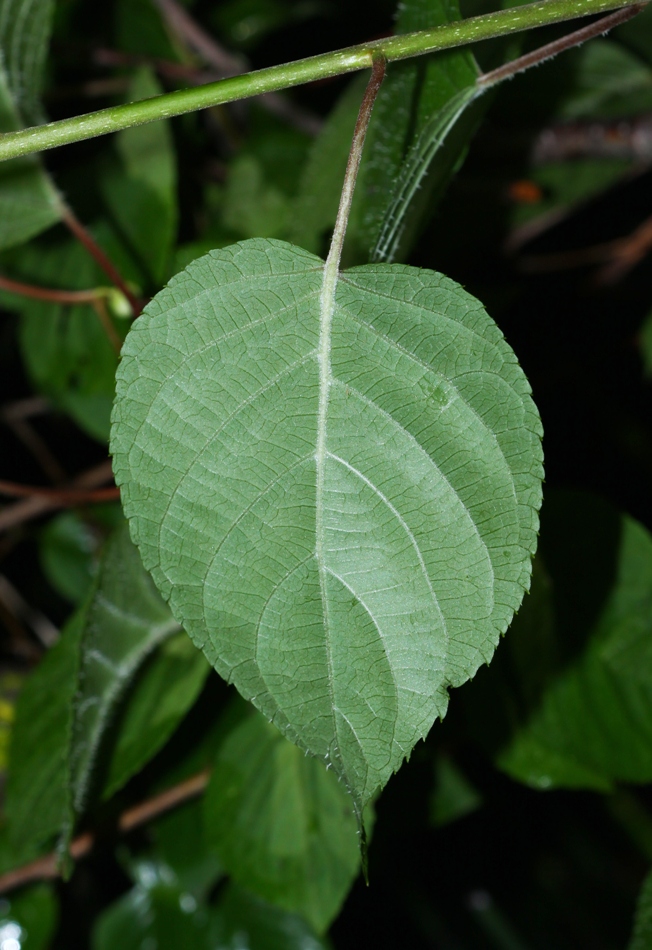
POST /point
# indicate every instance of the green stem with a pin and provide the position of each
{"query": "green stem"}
(543, 13)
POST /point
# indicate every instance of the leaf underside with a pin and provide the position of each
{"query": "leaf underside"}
(340, 508)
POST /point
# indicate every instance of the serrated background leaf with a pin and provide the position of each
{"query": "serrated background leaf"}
(124, 621)
(282, 825)
(343, 612)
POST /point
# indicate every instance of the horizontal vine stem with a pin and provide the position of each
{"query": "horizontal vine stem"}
(513, 20)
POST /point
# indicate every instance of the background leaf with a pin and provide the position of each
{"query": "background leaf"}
(245, 922)
(586, 725)
(28, 918)
(437, 466)
(642, 936)
(164, 691)
(282, 825)
(124, 621)
(29, 202)
(139, 185)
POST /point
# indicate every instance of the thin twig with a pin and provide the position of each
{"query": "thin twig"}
(49, 294)
(46, 868)
(22, 511)
(63, 496)
(16, 604)
(96, 252)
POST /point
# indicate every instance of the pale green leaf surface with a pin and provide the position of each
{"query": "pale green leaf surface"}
(282, 825)
(164, 691)
(36, 803)
(591, 725)
(124, 621)
(139, 184)
(341, 513)
(642, 936)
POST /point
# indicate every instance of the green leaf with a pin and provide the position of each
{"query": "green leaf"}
(453, 795)
(139, 185)
(156, 913)
(417, 106)
(642, 936)
(67, 546)
(162, 694)
(182, 843)
(28, 919)
(245, 922)
(123, 623)
(29, 202)
(281, 824)
(36, 796)
(25, 28)
(645, 343)
(340, 507)
(592, 725)
(65, 348)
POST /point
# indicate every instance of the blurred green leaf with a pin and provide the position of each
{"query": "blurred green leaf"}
(139, 185)
(28, 918)
(245, 922)
(67, 546)
(645, 344)
(140, 29)
(608, 81)
(157, 913)
(65, 347)
(642, 936)
(36, 803)
(25, 28)
(412, 94)
(282, 825)
(124, 621)
(251, 206)
(592, 725)
(453, 795)
(161, 695)
(181, 842)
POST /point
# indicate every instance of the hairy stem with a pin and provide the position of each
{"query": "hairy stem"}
(512, 20)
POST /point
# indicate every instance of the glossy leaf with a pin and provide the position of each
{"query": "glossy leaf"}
(281, 823)
(245, 922)
(162, 694)
(139, 185)
(156, 913)
(591, 725)
(340, 509)
(123, 623)
(28, 918)
(642, 936)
